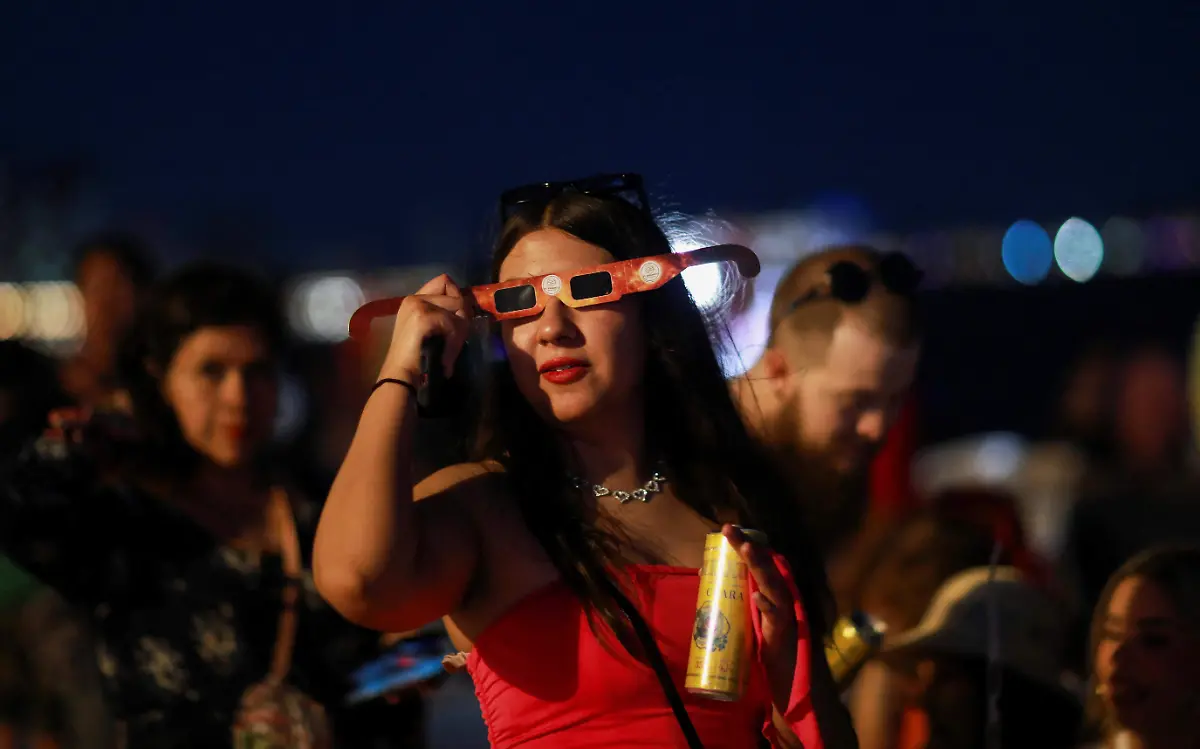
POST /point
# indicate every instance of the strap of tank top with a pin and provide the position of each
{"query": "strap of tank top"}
(642, 630)
(285, 636)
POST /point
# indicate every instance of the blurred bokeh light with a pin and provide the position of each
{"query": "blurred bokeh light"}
(1026, 252)
(320, 307)
(1124, 245)
(1078, 250)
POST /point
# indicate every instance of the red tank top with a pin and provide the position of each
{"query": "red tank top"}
(544, 679)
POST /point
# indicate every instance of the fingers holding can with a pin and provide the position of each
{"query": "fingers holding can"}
(754, 549)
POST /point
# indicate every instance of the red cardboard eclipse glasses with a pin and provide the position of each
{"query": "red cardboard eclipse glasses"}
(600, 284)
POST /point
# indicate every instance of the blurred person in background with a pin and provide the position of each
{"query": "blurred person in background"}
(28, 391)
(1054, 470)
(995, 512)
(1145, 653)
(1146, 494)
(924, 550)
(112, 271)
(838, 368)
(1084, 413)
(182, 539)
(987, 619)
(1150, 437)
(36, 696)
(528, 554)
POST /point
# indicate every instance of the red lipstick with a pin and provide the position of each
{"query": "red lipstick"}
(563, 370)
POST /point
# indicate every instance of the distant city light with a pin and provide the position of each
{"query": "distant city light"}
(1124, 245)
(1026, 252)
(1078, 249)
(53, 312)
(12, 311)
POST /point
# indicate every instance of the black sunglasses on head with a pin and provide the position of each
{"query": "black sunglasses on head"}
(850, 283)
(627, 186)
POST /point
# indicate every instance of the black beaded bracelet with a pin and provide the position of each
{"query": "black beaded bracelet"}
(393, 381)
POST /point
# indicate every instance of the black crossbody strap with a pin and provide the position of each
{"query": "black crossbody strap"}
(660, 668)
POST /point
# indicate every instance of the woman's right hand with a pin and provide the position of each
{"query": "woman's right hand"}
(437, 309)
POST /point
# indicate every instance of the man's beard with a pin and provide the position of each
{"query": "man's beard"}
(833, 502)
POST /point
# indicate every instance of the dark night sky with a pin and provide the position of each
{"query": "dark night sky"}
(378, 125)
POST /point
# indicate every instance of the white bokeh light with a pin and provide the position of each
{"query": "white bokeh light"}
(320, 307)
(53, 312)
(999, 457)
(1078, 250)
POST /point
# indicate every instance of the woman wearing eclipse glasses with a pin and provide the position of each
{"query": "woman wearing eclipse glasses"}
(565, 559)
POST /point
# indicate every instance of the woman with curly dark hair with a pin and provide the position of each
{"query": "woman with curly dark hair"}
(182, 539)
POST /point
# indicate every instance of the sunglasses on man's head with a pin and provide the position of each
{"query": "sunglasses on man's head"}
(628, 186)
(850, 283)
(600, 284)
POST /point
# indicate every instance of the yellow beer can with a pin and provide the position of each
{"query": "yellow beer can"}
(720, 656)
(855, 639)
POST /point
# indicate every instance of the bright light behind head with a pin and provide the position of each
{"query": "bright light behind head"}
(705, 283)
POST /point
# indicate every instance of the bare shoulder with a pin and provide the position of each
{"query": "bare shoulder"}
(476, 491)
(477, 480)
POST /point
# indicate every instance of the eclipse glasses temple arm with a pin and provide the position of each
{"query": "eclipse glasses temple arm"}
(745, 259)
(360, 321)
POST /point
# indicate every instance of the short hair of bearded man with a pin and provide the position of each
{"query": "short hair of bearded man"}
(805, 332)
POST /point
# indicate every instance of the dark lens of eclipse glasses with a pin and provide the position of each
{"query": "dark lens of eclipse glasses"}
(515, 298)
(592, 285)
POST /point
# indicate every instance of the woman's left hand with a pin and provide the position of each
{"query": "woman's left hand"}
(778, 615)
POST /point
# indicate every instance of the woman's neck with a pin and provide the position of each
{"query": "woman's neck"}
(229, 502)
(614, 456)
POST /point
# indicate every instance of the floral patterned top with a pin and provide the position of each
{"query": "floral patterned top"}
(183, 625)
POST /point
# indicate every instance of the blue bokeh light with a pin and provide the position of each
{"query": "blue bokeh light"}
(1027, 252)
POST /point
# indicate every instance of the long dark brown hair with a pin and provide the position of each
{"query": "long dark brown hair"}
(692, 425)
